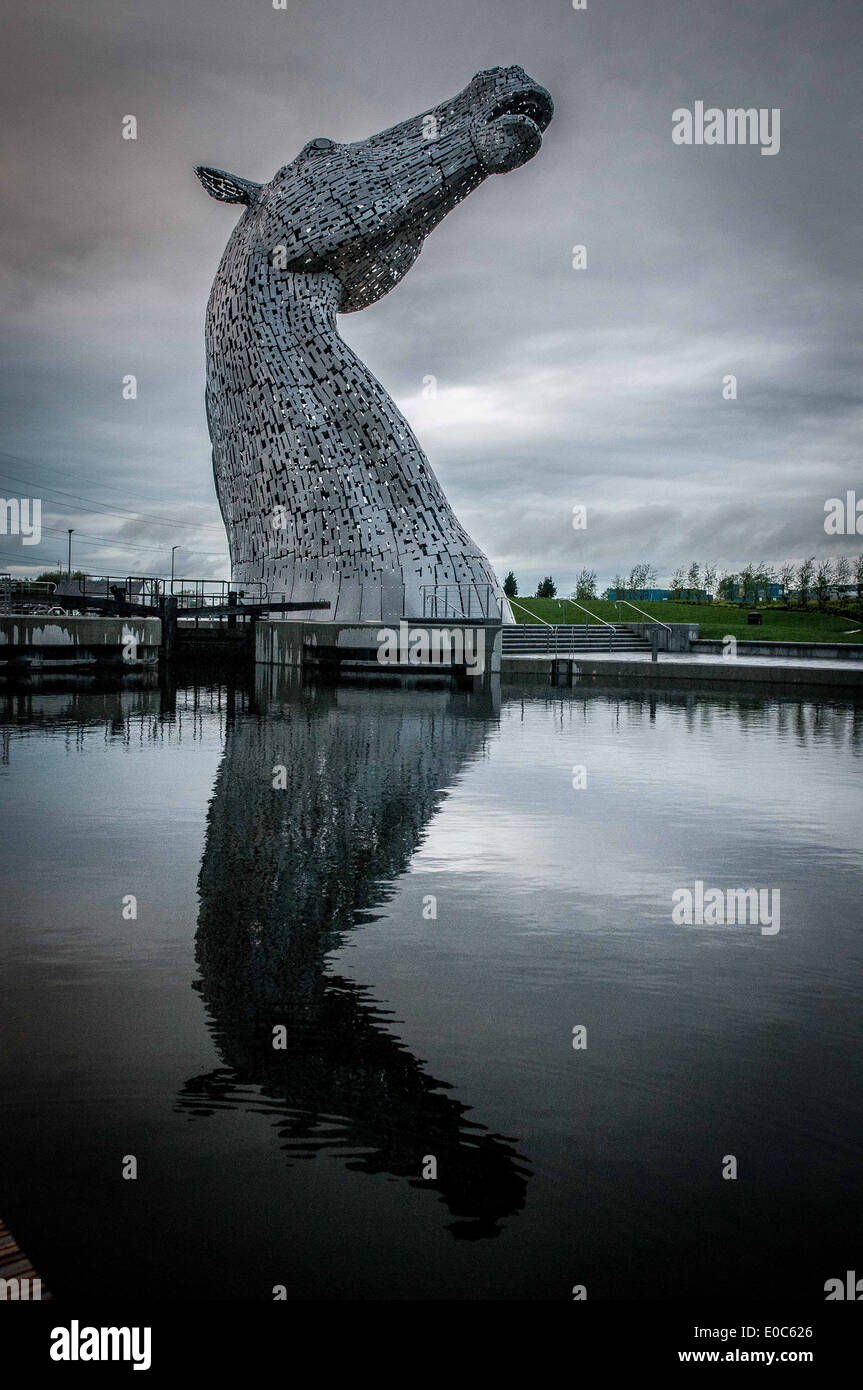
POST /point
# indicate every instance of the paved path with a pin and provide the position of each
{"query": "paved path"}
(696, 666)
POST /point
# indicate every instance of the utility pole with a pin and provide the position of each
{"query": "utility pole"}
(70, 529)
(173, 549)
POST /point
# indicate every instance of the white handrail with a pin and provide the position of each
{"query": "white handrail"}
(530, 614)
(587, 611)
(646, 615)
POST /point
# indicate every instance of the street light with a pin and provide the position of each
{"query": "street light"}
(173, 548)
(70, 529)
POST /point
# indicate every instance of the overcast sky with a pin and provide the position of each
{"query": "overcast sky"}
(555, 387)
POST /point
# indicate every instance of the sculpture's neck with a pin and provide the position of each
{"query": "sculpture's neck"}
(312, 426)
(334, 410)
(292, 311)
(325, 491)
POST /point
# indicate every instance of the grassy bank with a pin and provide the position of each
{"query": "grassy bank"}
(714, 619)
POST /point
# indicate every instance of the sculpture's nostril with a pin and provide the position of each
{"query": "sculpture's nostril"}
(530, 100)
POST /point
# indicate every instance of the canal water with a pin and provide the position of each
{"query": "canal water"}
(380, 995)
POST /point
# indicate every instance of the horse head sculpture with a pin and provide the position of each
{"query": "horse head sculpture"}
(325, 492)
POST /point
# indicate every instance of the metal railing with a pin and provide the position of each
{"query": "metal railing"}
(642, 612)
(553, 628)
(576, 604)
(149, 591)
(215, 593)
(537, 619)
(134, 588)
(535, 616)
(27, 596)
(437, 595)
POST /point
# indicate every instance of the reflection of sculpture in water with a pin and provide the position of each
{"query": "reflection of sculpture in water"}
(284, 874)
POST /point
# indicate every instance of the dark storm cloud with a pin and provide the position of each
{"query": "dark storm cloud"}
(554, 386)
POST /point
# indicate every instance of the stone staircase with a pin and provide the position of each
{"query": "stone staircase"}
(533, 639)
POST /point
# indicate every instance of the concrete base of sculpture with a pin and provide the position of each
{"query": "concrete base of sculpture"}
(464, 650)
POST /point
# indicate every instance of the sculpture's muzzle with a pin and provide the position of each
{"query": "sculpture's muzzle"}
(516, 111)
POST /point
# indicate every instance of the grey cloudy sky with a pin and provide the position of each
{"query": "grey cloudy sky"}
(555, 386)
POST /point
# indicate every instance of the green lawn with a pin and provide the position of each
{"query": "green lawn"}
(714, 619)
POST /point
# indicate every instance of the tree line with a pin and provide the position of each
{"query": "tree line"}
(802, 581)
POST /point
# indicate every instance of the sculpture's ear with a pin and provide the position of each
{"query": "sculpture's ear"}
(228, 188)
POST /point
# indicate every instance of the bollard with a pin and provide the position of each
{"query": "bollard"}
(169, 626)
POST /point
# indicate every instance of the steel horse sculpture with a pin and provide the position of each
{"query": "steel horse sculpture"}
(324, 489)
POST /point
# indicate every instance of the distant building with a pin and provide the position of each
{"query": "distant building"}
(761, 593)
(657, 595)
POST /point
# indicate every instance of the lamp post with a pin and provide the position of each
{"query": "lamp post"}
(173, 549)
(70, 529)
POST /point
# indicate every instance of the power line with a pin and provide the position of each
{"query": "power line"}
(129, 545)
(52, 468)
(16, 559)
(123, 514)
(44, 563)
(119, 544)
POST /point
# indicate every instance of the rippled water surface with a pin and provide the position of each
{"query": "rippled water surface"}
(418, 913)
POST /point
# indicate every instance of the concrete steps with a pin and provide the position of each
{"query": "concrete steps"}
(532, 639)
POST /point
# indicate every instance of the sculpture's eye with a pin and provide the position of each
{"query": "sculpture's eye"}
(320, 144)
